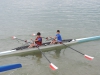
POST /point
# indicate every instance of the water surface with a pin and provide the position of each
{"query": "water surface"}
(75, 19)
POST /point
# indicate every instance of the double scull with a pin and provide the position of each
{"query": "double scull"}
(47, 46)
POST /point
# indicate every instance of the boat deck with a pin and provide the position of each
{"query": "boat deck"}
(44, 44)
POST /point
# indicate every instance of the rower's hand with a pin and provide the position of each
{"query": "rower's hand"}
(50, 37)
(25, 40)
(32, 40)
(47, 38)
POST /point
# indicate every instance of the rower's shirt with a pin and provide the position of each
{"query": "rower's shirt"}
(59, 38)
(39, 42)
(40, 39)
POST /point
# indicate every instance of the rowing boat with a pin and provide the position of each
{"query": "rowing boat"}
(47, 46)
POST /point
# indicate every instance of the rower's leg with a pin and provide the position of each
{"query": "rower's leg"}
(31, 45)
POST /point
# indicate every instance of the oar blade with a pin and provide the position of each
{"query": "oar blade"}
(53, 67)
(9, 67)
(88, 57)
(13, 37)
(33, 34)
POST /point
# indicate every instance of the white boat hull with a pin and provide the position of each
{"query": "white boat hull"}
(47, 47)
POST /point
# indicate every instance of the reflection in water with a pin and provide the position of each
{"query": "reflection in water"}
(53, 52)
(57, 52)
(35, 55)
(38, 56)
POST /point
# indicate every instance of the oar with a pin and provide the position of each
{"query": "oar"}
(20, 39)
(86, 56)
(52, 66)
(9, 67)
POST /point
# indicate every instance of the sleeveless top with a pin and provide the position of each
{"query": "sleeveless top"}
(39, 42)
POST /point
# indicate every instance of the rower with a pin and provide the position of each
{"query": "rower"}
(57, 38)
(37, 42)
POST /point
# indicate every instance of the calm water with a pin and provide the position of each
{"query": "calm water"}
(75, 19)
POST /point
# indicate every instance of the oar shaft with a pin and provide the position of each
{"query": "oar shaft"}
(23, 40)
(70, 47)
(38, 49)
(20, 39)
(52, 66)
(43, 54)
(76, 50)
(73, 49)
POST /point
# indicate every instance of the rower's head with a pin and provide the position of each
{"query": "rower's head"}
(58, 31)
(38, 34)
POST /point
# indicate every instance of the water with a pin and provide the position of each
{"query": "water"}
(75, 19)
